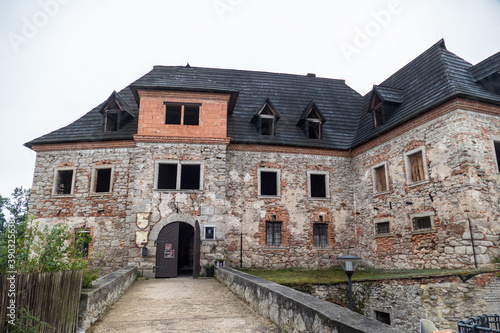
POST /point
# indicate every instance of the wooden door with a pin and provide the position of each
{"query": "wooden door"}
(167, 251)
(196, 251)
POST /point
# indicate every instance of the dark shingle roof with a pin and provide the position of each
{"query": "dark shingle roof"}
(431, 79)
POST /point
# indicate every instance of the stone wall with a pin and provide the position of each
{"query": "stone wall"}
(248, 212)
(462, 183)
(294, 311)
(101, 213)
(104, 293)
(443, 300)
(207, 206)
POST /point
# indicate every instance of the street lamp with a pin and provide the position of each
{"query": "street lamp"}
(349, 263)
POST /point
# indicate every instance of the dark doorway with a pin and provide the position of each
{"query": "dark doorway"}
(175, 250)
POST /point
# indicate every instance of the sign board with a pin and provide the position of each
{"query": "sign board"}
(142, 220)
(169, 252)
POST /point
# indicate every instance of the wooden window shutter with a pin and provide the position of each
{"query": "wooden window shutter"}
(417, 167)
(380, 179)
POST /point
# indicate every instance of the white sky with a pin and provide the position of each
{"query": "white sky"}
(61, 58)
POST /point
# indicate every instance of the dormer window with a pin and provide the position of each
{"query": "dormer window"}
(384, 103)
(116, 113)
(265, 119)
(312, 121)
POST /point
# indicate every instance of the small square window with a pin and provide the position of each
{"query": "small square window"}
(383, 317)
(63, 182)
(173, 114)
(380, 179)
(210, 233)
(191, 115)
(273, 234)
(269, 182)
(318, 184)
(422, 223)
(382, 228)
(320, 233)
(102, 180)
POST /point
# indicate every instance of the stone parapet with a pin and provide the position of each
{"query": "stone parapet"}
(104, 293)
(294, 311)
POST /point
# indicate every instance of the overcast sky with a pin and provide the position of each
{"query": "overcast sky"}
(61, 58)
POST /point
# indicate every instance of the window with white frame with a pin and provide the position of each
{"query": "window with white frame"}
(317, 184)
(416, 166)
(179, 176)
(380, 178)
(422, 222)
(102, 179)
(209, 232)
(268, 182)
(64, 180)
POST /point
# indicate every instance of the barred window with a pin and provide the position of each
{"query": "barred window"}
(320, 231)
(273, 234)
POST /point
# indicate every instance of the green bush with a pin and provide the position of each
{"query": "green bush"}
(46, 250)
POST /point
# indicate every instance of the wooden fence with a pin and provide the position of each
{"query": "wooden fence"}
(50, 297)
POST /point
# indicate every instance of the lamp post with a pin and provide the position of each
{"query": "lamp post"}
(349, 263)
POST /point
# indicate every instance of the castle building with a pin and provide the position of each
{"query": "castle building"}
(187, 165)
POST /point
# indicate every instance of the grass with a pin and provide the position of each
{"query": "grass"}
(301, 277)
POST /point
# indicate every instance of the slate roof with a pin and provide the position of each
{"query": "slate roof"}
(431, 79)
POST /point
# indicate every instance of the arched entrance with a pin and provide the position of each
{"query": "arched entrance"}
(178, 250)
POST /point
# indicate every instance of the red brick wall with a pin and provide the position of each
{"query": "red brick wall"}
(213, 114)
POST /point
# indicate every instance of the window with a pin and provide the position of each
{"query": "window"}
(269, 180)
(182, 114)
(265, 119)
(422, 222)
(102, 180)
(174, 175)
(416, 167)
(173, 114)
(496, 146)
(209, 233)
(312, 121)
(380, 178)
(378, 117)
(313, 128)
(63, 181)
(383, 317)
(318, 184)
(82, 240)
(273, 233)
(320, 233)
(111, 121)
(382, 228)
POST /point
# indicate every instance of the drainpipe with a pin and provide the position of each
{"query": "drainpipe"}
(472, 240)
(241, 250)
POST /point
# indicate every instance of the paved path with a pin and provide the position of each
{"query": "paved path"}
(179, 305)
